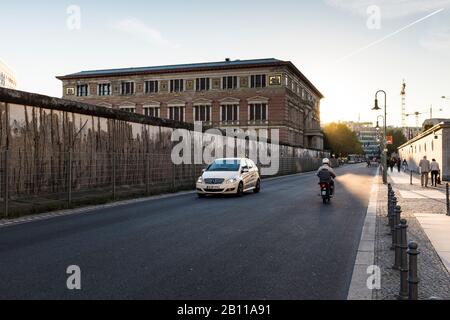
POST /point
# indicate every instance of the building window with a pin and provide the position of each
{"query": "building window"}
(82, 90)
(104, 89)
(202, 113)
(128, 109)
(229, 113)
(176, 113)
(151, 86)
(258, 81)
(258, 112)
(127, 88)
(154, 112)
(176, 85)
(229, 83)
(202, 84)
(275, 80)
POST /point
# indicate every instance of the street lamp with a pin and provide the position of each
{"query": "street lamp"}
(377, 108)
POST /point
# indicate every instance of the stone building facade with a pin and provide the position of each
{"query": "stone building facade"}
(251, 94)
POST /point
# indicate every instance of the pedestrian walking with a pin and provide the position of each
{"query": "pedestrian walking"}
(405, 165)
(425, 167)
(399, 165)
(434, 167)
(391, 165)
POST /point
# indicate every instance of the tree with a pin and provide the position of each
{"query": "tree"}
(341, 140)
(399, 139)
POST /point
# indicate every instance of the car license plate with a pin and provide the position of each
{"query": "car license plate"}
(212, 188)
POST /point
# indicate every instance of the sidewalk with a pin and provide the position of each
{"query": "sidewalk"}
(428, 226)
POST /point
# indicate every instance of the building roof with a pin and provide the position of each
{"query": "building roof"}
(194, 67)
(433, 130)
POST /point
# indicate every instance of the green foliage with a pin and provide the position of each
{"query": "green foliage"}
(341, 140)
(399, 139)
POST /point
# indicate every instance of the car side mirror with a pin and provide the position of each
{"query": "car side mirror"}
(204, 170)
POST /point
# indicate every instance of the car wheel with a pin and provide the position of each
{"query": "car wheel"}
(240, 190)
(257, 187)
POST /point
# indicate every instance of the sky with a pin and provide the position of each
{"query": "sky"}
(349, 49)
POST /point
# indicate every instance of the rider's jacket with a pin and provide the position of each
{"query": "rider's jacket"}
(326, 173)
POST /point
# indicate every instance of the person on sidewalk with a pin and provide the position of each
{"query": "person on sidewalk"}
(405, 165)
(434, 166)
(391, 163)
(424, 166)
(399, 165)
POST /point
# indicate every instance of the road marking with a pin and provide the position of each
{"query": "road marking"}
(365, 258)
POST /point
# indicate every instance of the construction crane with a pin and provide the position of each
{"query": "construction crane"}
(403, 95)
(417, 115)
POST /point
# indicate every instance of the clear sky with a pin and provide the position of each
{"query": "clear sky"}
(343, 46)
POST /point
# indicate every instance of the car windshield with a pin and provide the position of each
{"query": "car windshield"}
(225, 165)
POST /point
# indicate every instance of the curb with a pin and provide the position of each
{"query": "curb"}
(365, 258)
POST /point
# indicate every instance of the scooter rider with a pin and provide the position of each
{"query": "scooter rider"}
(327, 174)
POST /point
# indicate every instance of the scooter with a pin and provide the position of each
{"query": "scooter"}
(325, 192)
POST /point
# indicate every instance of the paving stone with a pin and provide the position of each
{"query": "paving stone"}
(434, 277)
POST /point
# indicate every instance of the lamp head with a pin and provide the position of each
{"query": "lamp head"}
(377, 107)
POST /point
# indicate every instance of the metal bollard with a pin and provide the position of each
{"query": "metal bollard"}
(391, 194)
(404, 270)
(395, 230)
(448, 200)
(411, 178)
(413, 279)
(392, 215)
(398, 240)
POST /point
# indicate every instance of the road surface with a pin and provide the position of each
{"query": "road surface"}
(280, 244)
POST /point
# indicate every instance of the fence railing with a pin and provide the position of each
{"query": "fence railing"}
(57, 154)
(64, 180)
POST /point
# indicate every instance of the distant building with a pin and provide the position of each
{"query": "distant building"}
(7, 77)
(433, 122)
(368, 136)
(249, 94)
(433, 143)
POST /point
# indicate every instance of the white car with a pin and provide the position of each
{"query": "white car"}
(229, 176)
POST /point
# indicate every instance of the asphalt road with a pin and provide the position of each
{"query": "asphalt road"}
(280, 244)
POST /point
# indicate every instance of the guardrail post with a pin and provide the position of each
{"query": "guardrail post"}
(6, 183)
(147, 173)
(411, 178)
(114, 175)
(69, 179)
(413, 279)
(404, 270)
(448, 199)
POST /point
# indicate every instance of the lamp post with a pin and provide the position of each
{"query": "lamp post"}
(384, 143)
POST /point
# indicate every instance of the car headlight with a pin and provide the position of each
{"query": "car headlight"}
(200, 180)
(230, 181)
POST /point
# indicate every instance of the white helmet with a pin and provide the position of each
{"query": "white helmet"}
(326, 161)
